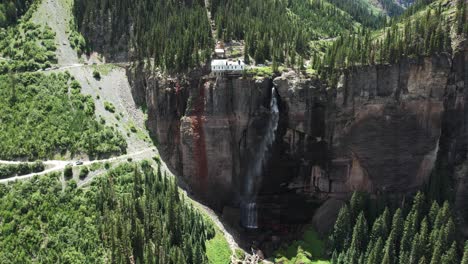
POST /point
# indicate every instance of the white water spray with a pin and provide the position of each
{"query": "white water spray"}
(248, 205)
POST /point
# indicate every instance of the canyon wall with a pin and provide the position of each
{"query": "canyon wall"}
(382, 130)
(207, 129)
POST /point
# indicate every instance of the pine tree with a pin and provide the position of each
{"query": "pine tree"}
(416, 250)
(423, 237)
(357, 204)
(436, 254)
(375, 255)
(341, 233)
(360, 231)
(450, 257)
(465, 254)
(433, 213)
(378, 229)
(389, 250)
(422, 260)
(397, 228)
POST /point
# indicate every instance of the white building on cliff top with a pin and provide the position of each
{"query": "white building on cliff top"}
(219, 67)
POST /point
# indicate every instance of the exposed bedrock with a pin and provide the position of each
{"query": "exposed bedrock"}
(378, 131)
(385, 126)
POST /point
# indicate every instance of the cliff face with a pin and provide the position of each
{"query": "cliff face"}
(383, 129)
(385, 126)
(207, 128)
(452, 159)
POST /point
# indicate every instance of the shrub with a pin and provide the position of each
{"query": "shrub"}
(68, 172)
(240, 254)
(96, 75)
(107, 165)
(109, 107)
(38, 166)
(24, 169)
(157, 158)
(133, 128)
(84, 172)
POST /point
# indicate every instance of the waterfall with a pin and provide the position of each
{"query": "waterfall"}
(254, 172)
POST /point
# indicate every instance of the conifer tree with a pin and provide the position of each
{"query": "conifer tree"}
(465, 254)
(342, 230)
(450, 257)
(375, 255)
(436, 254)
(389, 250)
(433, 213)
(360, 232)
(357, 204)
(422, 260)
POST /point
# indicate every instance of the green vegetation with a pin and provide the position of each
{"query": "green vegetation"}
(363, 12)
(77, 41)
(425, 234)
(12, 10)
(307, 250)
(109, 107)
(131, 212)
(425, 32)
(145, 206)
(26, 47)
(68, 172)
(43, 115)
(264, 71)
(279, 31)
(133, 129)
(84, 172)
(104, 69)
(217, 249)
(96, 74)
(11, 170)
(42, 223)
(176, 34)
(391, 7)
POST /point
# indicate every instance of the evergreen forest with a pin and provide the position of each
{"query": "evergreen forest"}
(132, 214)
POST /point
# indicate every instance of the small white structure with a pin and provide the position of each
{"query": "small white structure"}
(220, 53)
(220, 67)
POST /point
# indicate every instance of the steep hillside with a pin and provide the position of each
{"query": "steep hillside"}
(131, 212)
(430, 30)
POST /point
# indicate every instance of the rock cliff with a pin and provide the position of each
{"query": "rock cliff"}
(384, 128)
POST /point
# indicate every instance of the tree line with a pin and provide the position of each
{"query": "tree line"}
(12, 10)
(10, 170)
(424, 34)
(426, 233)
(281, 31)
(176, 35)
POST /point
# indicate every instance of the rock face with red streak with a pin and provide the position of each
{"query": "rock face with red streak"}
(207, 128)
(378, 131)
